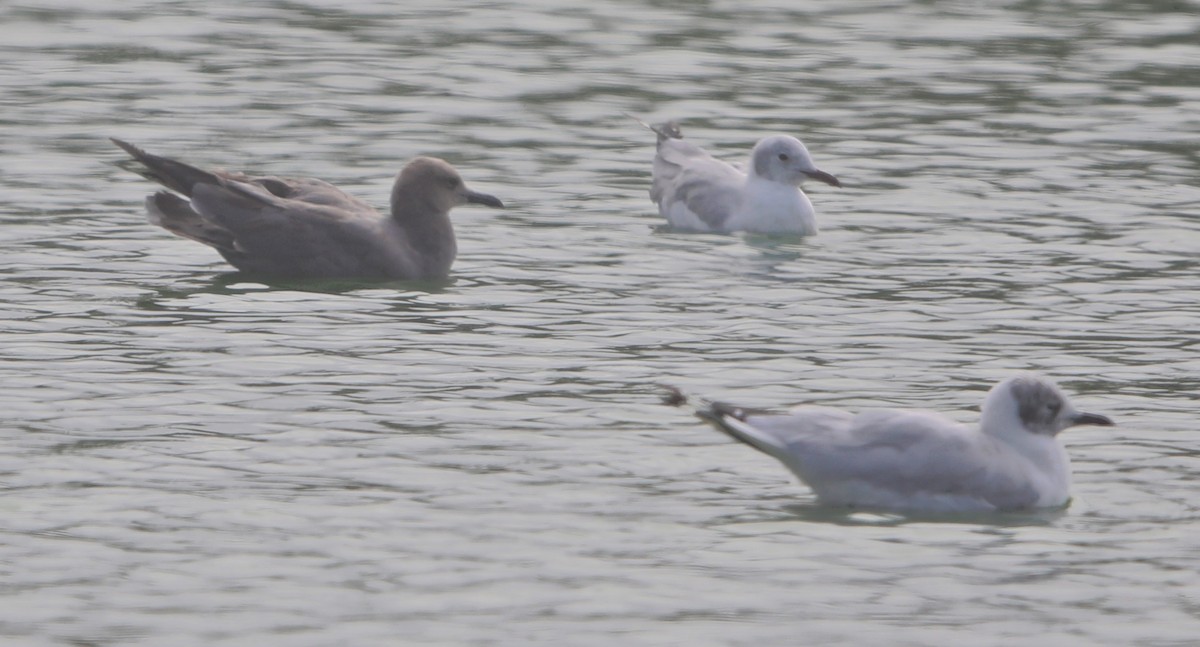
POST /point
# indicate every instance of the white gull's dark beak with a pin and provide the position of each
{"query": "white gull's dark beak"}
(824, 177)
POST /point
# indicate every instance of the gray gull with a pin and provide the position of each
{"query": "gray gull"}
(305, 228)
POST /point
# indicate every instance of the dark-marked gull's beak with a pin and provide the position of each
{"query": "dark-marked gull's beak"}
(824, 177)
(1091, 419)
(482, 198)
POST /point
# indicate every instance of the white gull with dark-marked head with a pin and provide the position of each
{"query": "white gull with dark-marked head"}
(912, 460)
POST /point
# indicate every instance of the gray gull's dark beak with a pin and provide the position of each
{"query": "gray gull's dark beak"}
(475, 197)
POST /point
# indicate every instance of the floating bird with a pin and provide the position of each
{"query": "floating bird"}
(697, 192)
(305, 228)
(920, 461)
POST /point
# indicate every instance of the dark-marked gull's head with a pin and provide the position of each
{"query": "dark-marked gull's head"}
(1036, 404)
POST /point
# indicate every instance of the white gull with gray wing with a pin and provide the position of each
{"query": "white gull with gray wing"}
(697, 192)
(911, 460)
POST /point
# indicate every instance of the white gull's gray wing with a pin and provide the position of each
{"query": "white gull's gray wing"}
(693, 190)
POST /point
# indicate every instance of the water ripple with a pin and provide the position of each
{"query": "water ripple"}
(195, 456)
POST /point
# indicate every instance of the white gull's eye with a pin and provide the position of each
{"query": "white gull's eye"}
(783, 157)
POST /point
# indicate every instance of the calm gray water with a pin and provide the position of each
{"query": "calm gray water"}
(193, 458)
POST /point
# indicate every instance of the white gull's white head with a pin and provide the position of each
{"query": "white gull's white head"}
(785, 159)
